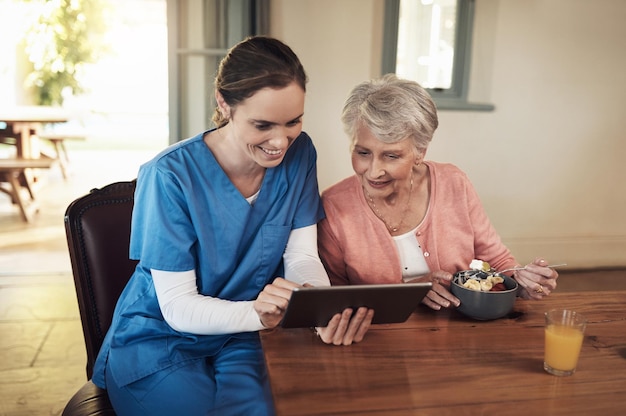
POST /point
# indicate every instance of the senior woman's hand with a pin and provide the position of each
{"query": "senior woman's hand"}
(439, 296)
(536, 280)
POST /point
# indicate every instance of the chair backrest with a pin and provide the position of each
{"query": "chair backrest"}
(97, 227)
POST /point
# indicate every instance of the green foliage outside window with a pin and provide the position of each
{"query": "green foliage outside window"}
(67, 35)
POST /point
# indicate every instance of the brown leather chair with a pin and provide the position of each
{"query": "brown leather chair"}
(97, 227)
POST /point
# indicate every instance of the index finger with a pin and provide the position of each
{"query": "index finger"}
(540, 270)
(278, 292)
(284, 283)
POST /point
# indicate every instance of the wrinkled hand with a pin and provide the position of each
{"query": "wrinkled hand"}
(273, 300)
(537, 280)
(347, 327)
(439, 296)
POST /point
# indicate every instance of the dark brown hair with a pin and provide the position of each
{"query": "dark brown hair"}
(253, 64)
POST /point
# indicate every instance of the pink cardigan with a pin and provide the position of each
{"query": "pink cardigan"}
(356, 247)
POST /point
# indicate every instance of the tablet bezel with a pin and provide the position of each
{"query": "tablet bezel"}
(315, 306)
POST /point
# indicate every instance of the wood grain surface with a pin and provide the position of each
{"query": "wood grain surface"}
(446, 364)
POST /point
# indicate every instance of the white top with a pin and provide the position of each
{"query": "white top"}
(411, 255)
(186, 310)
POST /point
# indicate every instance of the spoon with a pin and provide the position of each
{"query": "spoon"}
(524, 268)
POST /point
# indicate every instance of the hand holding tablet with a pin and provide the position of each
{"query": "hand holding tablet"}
(315, 306)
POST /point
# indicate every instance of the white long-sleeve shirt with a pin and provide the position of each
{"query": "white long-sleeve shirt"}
(186, 310)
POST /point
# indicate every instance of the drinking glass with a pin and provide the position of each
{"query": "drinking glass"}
(564, 333)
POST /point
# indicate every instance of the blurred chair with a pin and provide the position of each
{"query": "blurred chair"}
(97, 227)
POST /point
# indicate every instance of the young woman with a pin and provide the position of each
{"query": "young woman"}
(224, 227)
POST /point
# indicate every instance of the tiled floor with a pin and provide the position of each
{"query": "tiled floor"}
(42, 357)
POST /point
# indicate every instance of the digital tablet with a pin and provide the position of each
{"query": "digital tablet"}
(315, 306)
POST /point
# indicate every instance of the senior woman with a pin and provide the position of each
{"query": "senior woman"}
(401, 217)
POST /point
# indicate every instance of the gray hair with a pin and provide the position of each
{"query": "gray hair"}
(393, 109)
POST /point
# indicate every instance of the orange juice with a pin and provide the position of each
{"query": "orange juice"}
(562, 348)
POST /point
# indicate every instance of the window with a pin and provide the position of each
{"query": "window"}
(430, 41)
(200, 33)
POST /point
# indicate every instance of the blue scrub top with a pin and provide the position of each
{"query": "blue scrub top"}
(189, 215)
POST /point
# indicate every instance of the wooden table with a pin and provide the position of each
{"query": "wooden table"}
(20, 126)
(441, 363)
(24, 122)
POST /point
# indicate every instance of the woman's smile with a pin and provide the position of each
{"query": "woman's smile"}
(273, 153)
(377, 184)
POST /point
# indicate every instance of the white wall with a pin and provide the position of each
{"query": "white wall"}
(548, 162)
(338, 43)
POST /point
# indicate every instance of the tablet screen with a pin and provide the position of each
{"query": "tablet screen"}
(315, 306)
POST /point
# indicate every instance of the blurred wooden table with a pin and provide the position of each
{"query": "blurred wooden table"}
(22, 123)
(445, 364)
(20, 126)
